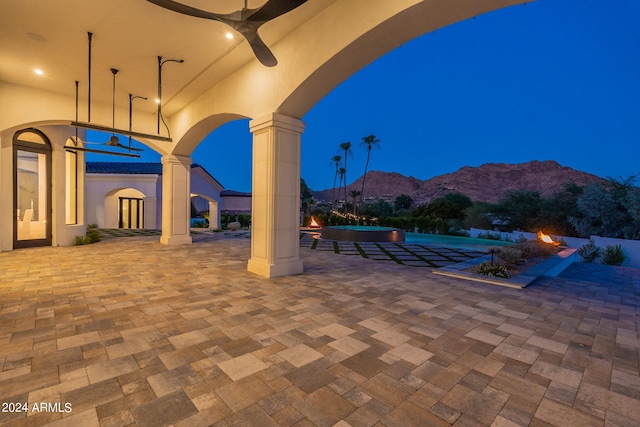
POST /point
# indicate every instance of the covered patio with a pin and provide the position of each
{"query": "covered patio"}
(205, 68)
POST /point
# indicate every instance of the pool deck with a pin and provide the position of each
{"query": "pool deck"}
(132, 332)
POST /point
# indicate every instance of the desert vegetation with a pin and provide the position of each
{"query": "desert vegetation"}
(608, 209)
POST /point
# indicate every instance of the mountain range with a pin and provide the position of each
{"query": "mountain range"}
(485, 183)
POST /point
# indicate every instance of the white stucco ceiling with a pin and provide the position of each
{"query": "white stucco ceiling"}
(128, 35)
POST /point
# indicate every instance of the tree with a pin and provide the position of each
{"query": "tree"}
(519, 209)
(609, 210)
(556, 210)
(599, 213)
(451, 206)
(335, 160)
(346, 147)
(379, 209)
(354, 197)
(402, 202)
(477, 216)
(370, 142)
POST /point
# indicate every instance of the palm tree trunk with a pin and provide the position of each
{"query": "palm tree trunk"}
(364, 177)
(333, 192)
(346, 198)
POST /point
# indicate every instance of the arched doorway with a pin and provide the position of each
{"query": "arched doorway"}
(124, 208)
(31, 189)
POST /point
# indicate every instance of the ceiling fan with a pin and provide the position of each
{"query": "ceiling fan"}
(114, 141)
(246, 21)
(75, 143)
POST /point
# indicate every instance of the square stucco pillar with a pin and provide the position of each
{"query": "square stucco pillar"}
(275, 201)
(176, 200)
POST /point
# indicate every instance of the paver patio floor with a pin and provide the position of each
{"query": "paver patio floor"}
(131, 332)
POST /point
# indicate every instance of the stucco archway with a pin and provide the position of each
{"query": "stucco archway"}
(123, 208)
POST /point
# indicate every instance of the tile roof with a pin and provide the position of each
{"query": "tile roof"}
(125, 167)
(138, 168)
(233, 193)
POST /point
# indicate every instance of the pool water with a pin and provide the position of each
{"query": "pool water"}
(362, 228)
(455, 242)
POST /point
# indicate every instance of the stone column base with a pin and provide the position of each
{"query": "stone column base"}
(262, 268)
(176, 240)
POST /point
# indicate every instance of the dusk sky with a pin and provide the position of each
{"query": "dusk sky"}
(552, 80)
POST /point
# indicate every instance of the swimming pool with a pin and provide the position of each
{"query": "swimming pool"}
(362, 233)
(456, 242)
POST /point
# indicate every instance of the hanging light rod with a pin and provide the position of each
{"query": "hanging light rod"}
(159, 99)
(110, 153)
(120, 131)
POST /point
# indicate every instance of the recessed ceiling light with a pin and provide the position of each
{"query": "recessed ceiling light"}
(157, 101)
(229, 36)
(39, 72)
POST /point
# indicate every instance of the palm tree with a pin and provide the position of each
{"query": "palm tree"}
(354, 196)
(346, 147)
(335, 159)
(370, 142)
(342, 172)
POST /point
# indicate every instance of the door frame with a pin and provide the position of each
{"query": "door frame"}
(32, 147)
(139, 210)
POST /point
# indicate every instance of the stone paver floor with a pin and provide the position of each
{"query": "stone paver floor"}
(131, 332)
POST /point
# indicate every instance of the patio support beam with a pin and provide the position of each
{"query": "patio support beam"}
(275, 203)
(176, 200)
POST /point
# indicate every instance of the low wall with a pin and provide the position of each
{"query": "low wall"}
(630, 248)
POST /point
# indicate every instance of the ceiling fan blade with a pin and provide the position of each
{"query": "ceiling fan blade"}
(187, 10)
(248, 23)
(250, 32)
(129, 148)
(272, 9)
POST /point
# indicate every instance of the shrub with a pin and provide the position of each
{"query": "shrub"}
(200, 223)
(589, 252)
(613, 255)
(533, 249)
(92, 236)
(493, 270)
(489, 235)
(511, 255)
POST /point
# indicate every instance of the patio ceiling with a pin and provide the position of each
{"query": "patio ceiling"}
(129, 35)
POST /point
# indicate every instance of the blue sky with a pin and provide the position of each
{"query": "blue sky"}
(552, 80)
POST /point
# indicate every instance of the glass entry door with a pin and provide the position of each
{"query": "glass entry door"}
(131, 213)
(32, 190)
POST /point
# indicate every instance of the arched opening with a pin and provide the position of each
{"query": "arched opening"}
(124, 208)
(205, 212)
(31, 189)
(226, 154)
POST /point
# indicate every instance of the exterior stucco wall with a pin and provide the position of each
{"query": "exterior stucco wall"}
(236, 204)
(103, 191)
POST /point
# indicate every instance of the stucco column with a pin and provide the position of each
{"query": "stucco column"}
(214, 217)
(275, 201)
(176, 200)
